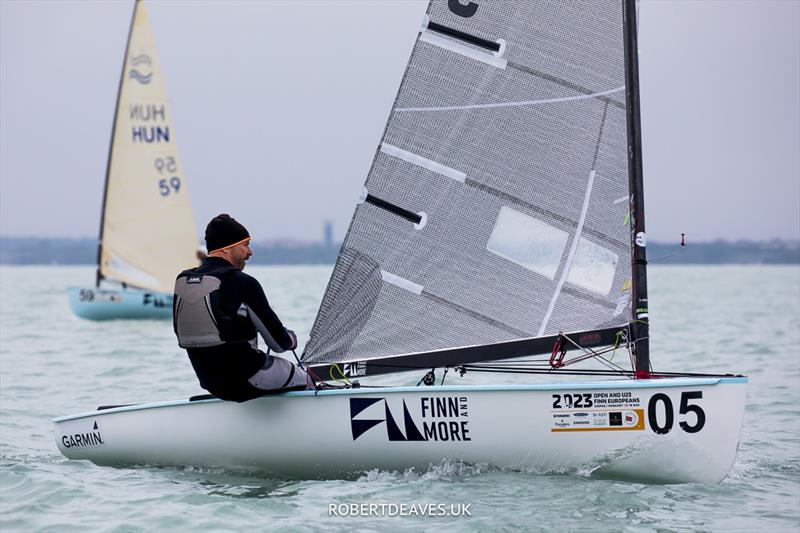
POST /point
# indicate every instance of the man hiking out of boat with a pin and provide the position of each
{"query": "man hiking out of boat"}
(218, 311)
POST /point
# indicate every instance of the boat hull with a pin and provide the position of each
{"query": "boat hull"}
(669, 430)
(108, 304)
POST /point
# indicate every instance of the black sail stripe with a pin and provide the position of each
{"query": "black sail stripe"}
(392, 208)
(463, 36)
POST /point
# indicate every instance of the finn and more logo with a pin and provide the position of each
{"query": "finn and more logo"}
(355, 369)
(440, 419)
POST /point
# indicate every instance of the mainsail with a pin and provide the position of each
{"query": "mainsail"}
(498, 208)
(147, 231)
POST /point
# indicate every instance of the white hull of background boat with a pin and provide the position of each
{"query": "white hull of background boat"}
(666, 430)
(107, 304)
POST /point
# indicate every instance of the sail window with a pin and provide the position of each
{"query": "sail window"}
(528, 242)
(593, 267)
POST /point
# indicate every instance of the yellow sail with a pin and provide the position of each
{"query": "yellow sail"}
(147, 234)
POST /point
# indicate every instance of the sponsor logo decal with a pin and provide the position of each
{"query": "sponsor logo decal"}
(443, 418)
(355, 369)
(156, 300)
(597, 411)
(590, 338)
(78, 440)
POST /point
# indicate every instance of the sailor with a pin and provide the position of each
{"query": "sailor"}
(218, 311)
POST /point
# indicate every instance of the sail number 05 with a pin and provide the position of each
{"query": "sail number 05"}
(669, 412)
(167, 186)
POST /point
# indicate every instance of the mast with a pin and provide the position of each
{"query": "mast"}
(640, 327)
(111, 145)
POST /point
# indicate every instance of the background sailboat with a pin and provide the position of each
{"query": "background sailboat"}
(147, 231)
(503, 217)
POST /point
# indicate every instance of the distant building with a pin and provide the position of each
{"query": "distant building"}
(328, 232)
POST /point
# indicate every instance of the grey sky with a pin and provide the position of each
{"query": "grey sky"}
(279, 107)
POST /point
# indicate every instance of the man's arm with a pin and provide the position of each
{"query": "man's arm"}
(277, 337)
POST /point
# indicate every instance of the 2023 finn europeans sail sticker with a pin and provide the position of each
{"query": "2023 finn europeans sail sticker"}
(621, 410)
(597, 411)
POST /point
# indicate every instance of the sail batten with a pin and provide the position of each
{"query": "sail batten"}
(517, 157)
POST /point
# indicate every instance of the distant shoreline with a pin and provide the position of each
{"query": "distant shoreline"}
(83, 251)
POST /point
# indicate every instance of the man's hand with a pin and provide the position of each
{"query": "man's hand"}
(294, 339)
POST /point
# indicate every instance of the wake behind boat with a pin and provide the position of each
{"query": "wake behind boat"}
(147, 231)
(501, 230)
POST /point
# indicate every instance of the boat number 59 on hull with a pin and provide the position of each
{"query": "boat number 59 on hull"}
(663, 427)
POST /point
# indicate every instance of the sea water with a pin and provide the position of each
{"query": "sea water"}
(742, 319)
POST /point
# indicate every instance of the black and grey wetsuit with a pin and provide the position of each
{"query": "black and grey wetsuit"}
(214, 312)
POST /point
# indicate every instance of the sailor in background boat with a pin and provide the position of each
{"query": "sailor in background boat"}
(218, 311)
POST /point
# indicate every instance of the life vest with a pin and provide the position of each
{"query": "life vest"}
(195, 323)
(197, 318)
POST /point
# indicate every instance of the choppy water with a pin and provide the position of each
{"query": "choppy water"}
(743, 319)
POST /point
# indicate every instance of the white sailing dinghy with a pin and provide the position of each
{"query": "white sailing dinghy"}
(503, 218)
(147, 231)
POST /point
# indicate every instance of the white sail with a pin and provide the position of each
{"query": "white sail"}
(148, 233)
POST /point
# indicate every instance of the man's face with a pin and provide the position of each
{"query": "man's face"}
(239, 254)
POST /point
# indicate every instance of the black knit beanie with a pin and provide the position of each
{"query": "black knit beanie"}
(224, 231)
